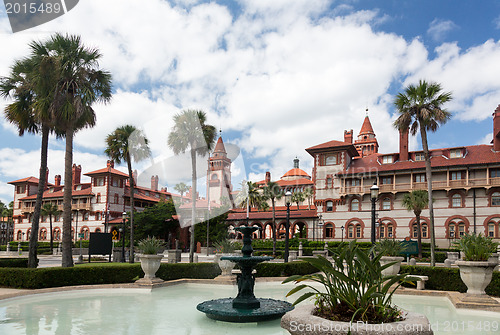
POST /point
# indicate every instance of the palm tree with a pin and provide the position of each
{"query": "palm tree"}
(30, 84)
(298, 197)
(416, 201)
(181, 188)
(122, 145)
(50, 209)
(191, 132)
(308, 194)
(420, 109)
(272, 191)
(250, 196)
(78, 84)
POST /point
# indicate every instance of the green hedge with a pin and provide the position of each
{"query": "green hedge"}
(13, 262)
(92, 274)
(284, 269)
(448, 279)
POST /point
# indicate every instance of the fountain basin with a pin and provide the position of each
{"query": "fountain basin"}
(223, 310)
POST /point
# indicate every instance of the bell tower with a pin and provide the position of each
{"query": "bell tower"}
(219, 174)
(367, 143)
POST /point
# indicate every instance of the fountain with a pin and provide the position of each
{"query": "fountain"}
(245, 307)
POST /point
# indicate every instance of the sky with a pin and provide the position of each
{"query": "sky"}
(275, 76)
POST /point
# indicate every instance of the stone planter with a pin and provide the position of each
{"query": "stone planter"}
(225, 266)
(393, 269)
(301, 321)
(476, 275)
(150, 264)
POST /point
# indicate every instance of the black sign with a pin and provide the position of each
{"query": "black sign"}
(409, 247)
(100, 244)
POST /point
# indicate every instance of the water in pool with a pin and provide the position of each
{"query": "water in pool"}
(172, 310)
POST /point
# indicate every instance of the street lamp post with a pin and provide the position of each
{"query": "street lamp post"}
(288, 201)
(342, 228)
(122, 230)
(321, 223)
(373, 195)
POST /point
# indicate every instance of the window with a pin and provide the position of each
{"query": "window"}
(85, 232)
(386, 203)
(419, 156)
(329, 230)
(329, 206)
(21, 189)
(495, 173)
(491, 229)
(386, 159)
(43, 234)
(328, 182)
(452, 231)
(358, 231)
(456, 175)
(461, 229)
(414, 231)
(114, 182)
(98, 198)
(117, 198)
(97, 216)
(495, 199)
(386, 180)
(456, 200)
(355, 204)
(331, 159)
(420, 178)
(355, 182)
(381, 231)
(389, 231)
(424, 230)
(350, 232)
(456, 153)
(86, 216)
(99, 181)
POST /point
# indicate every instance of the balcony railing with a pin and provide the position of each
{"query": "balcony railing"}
(436, 185)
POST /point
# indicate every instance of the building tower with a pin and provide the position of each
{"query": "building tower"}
(219, 175)
(367, 143)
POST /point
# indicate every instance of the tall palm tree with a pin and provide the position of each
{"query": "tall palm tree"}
(122, 145)
(420, 109)
(30, 84)
(272, 191)
(308, 194)
(50, 210)
(416, 201)
(250, 195)
(78, 84)
(181, 188)
(191, 133)
(298, 197)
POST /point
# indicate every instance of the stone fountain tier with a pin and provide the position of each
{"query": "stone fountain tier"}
(245, 307)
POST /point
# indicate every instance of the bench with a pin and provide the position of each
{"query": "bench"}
(420, 281)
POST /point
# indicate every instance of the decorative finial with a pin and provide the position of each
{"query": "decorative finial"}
(366, 111)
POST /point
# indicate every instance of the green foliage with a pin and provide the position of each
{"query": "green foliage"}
(353, 281)
(440, 256)
(389, 247)
(150, 245)
(226, 246)
(217, 230)
(156, 221)
(476, 247)
(13, 262)
(105, 273)
(284, 269)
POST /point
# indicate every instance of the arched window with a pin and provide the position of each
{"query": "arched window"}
(381, 231)
(117, 198)
(86, 216)
(355, 204)
(329, 230)
(456, 229)
(350, 231)
(491, 229)
(19, 235)
(495, 199)
(358, 231)
(85, 231)
(390, 231)
(424, 230)
(386, 203)
(268, 232)
(57, 234)
(98, 230)
(329, 206)
(456, 200)
(98, 198)
(43, 234)
(97, 216)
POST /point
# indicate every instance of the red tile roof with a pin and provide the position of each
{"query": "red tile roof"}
(303, 213)
(200, 203)
(219, 147)
(296, 172)
(338, 145)
(366, 128)
(475, 155)
(106, 170)
(59, 194)
(30, 180)
(282, 183)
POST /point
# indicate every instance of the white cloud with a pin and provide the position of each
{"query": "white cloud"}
(438, 28)
(486, 139)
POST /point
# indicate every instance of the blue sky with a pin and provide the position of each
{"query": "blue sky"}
(276, 76)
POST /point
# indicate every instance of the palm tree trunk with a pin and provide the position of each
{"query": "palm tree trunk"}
(274, 227)
(419, 234)
(33, 245)
(428, 176)
(51, 235)
(132, 185)
(67, 253)
(193, 205)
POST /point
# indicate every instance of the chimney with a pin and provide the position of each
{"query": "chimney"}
(77, 173)
(403, 145)
(57, 180)
(296, 163)
(496, 129)
(268, 177)
(110, 164)
(348, 136)
(134, 175)
(154, 183)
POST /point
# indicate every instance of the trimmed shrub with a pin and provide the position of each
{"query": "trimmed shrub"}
(13, 262)
(284, 269)
(448, 279)
(188, 270)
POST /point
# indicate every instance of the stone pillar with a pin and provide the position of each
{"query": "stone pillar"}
(301, 250)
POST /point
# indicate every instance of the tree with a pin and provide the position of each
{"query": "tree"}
(30, 84)
(308, 194)
(50, 210)
(416, 201)
(272, 191)
(181, 188)
(122, 145)
(217, 229)
(420, 109)
(191, 133)
(78, 84)
(250, 195)
(298, 197)
(157, 221)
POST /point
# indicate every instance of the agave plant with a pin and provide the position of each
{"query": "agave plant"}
(150, 245)
(390, 247)
(353, 285)
(225, 246)
(476, 247)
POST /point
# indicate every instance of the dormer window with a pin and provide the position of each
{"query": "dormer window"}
(419, 156)
(387, 160)
(332, 159)
(456, 153)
